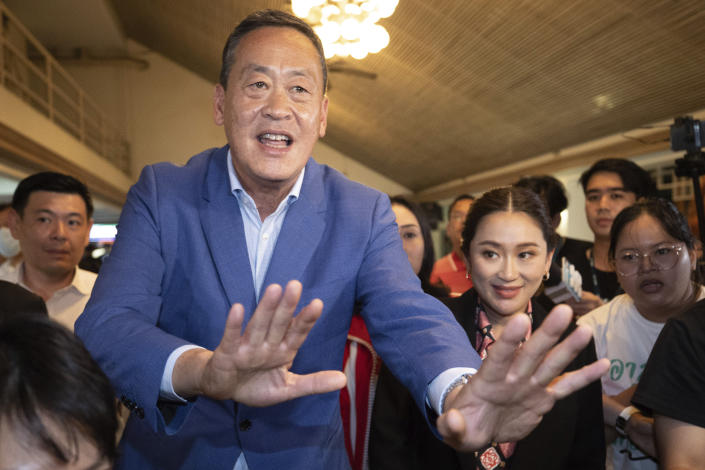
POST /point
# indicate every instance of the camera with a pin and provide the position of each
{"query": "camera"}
(687, 134)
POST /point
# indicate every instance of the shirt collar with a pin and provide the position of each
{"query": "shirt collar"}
(237, 189)
(81, 280)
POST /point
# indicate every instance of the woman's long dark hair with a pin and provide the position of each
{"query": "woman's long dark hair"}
(429, 257)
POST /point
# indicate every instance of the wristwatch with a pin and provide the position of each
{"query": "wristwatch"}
(623, 419)
(462, 380)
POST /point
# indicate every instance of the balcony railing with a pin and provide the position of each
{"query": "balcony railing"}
(29, 71)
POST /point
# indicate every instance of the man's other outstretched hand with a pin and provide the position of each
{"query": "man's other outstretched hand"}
(517, 384)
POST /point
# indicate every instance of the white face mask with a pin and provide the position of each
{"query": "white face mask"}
(9, 246)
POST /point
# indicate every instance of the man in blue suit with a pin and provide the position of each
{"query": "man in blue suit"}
(220, 366)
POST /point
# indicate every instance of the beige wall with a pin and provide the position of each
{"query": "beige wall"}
(25, 120)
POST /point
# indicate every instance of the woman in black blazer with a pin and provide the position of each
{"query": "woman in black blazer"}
(508, 242)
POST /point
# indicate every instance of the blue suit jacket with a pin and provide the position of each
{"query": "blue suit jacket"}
(180, 261)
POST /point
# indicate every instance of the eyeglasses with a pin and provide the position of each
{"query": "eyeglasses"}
(662, 257)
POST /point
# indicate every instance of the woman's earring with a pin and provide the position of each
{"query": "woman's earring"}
(467, 275)
(546, 276)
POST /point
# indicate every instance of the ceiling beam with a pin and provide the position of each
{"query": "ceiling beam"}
(641, 141)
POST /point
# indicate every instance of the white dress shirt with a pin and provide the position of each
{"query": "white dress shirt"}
(67, 303)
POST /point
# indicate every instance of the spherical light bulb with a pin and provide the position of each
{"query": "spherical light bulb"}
(341, 50)
(328, 32)
(372, 17)
(350, 29)
(358, 50)
(352, 9)
(387, 7)
(368, 6)
(301, 8)
(329, 50)
(375, 38)
(328, 11)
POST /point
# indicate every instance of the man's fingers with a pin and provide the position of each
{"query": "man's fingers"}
(258, 325)
(233, 329)
(295, 386)
(501, 355)
(317, 382)
(303, 323)
(284, 313)
(572, 381)
(561, 355)
(532, 353)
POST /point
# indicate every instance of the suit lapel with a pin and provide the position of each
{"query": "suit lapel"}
(301, 232)
(223, 228)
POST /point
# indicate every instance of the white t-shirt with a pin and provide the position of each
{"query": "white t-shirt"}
(626, 338)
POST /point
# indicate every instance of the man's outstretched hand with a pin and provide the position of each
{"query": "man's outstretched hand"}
(252, 366)
(516, 386)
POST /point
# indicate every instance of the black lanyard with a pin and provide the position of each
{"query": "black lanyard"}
(594, 277)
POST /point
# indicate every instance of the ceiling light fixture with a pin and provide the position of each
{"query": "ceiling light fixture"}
(347, 27)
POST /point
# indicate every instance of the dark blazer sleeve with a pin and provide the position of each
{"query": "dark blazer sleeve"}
(119, 324)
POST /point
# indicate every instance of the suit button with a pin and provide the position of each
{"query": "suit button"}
(245, 425)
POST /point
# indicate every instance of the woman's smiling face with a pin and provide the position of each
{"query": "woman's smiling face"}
(508, 258)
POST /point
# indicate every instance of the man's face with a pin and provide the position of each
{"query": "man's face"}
(53, 231)
(273, 109)
(605, 197)
(456, 222)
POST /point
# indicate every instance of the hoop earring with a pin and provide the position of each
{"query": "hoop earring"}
(546, 276)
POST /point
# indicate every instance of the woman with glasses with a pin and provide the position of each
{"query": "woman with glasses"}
(652, 251)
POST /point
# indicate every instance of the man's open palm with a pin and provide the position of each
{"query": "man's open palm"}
(252, 366)
(517, 384)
